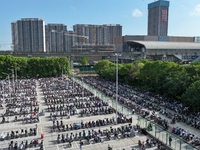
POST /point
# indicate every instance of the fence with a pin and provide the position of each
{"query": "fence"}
(155, 130)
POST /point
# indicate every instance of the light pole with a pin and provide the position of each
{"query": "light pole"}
(15, 76)
(12, 78)
(82, 88)
(8, 77)
(67, 78)
(73, 81)
(117, 55)
(8, 82)
(2, 82)
(62, 73)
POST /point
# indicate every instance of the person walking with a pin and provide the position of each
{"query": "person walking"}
(170, 140)
(81, 144)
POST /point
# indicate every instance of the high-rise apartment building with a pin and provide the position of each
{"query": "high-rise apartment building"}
(110, 32)
(81, 30)
(68, 40)
(31, 35)
(97, 34)
(55, 38)
(28, 35)
(158, 13)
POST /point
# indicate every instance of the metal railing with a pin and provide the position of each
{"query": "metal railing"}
(157, 132)
(164, 136)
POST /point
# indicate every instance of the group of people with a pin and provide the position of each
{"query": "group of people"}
(62, 100)
(66, 98)
(19, 100)
(138, 100)
(60, 97)
(181, 112)
(97, 135)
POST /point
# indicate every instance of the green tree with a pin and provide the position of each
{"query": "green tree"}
(191, 96)
(166, 78)
(34, 67)
(193, 71)
(101, 66)
(106, 69)
(84, 61)
(174, 84)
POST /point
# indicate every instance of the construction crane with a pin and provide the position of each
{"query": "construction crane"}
(77, 35)
(80, 36)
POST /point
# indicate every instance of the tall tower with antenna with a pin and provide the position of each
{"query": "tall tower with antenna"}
(158, 12)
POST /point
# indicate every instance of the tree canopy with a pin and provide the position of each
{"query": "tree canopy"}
(169, 79)
(84, 61)
(34, 67)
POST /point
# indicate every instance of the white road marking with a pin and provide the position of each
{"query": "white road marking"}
(76, 144)
(41, 130)
(57, 147)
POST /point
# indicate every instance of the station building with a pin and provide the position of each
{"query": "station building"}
(182, 52)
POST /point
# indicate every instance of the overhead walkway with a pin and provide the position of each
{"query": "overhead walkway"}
(156, 132)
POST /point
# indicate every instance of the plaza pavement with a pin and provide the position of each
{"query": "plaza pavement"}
(50, 143)
(177, 142)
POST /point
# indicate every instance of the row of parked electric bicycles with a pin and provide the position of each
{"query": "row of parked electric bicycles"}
(75, 99)
(59, 126)
(14, 134)
(77, 105)
(29, 118)
(96, 111)
(16, 145)
(98, 135)
(20, 111)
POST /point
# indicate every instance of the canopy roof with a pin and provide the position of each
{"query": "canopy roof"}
(164, 45)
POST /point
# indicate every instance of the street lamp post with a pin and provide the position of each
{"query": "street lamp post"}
(13, 76)
(82, 88)
(73, 81)
(117, 55)
(8, 78)
(2, 82)
(15, 73)
(62, 73)
(8, 82)
(67, 78)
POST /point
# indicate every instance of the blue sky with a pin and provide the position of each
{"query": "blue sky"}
(184, 15)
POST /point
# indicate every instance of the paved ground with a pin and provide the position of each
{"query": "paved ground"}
(45, 124)
(162, 135)
(50, 143)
